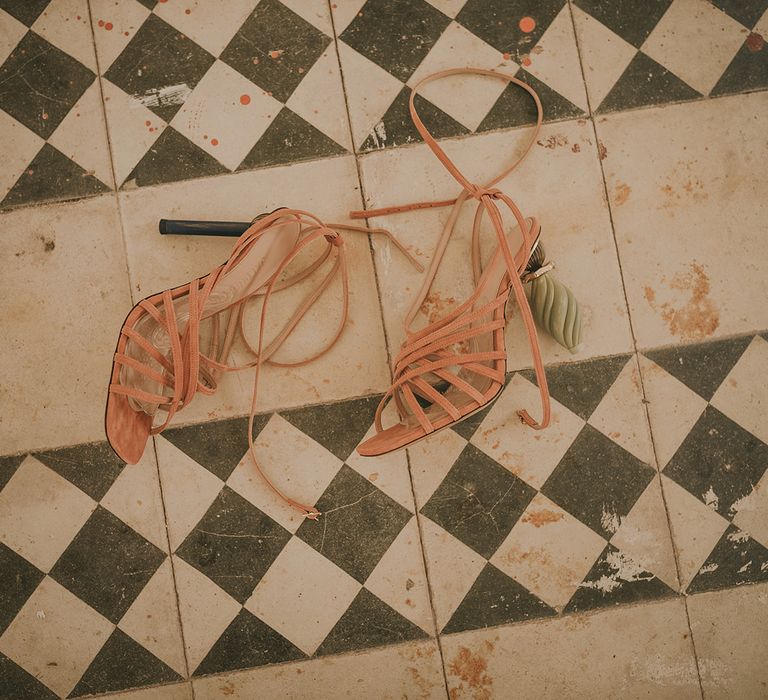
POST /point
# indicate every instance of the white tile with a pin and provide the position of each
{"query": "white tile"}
(555, 60)
(11, 33)
(431, 460)
(55, 636)
(674, 409)
(400, 671)
(65, 280)
(452, 568)
(40, 513)
(65, 24)
(212, 25)
(370, 91)
(696, 529)
(205, 609)
(579, 656)
(313, 11)
(529, 454)
(135, 499)
(621, 414)
(82, 136)
(644, 536)
(179, 691)
(400, 581)
(125, 19)
(294, 462)
(189, 490)
(548, 551)
(743, 396)
(604, 55)
(696, 41)
(21, 145)
(730, 631)
(343, 12)
(448, 7)
(303, 595)
(319, 99)
(216, 118)
(466, 98)
(132, 129)
(153, 619)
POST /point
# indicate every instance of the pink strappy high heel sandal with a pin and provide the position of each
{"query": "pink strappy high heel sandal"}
(159, 365)
(464, 351)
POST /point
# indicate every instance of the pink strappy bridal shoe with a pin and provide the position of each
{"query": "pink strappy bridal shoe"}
(456, 366)
(159, 364)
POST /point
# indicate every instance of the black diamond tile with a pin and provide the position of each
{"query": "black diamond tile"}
(498, 22)
(358, 524)
(745, 11)
(615, 579)
(702, 367)
(736, 559)
(748, 70)
(39, 84)
(121, 664)
(718, 462)
(368, 622)
(338, 427)
(395, 34)
(247, 643)
(107, 565)
(643, 83)
(218, 446)
(17, 684)
(597, 480)
(515, 108)
(289, 139)
(18, 581)
(156, 57)
(92, 467)
(479, 501)
(51, 175)
(581, 386)
(396, 126)
(149, 4)
(234, 544)
(26, 11)
(8, 467)
(632, 21)
(495, 599)
(275, 48)
(173, 157)
(468, 427)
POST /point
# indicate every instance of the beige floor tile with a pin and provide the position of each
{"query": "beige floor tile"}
(730, 633)
(179, 691)
(66, 297)
(404, 671)
(688, 202)
(356, 365)
(640, 651)
(560, 182)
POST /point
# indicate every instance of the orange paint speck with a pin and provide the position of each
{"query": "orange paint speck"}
(527, 24)
(147, 123)
(45, 116)
(526, 60)
(276, 54)
(214, 142)
(108, 26)
(245, 99)
(187, 11)
(101, 22)
(126, 33)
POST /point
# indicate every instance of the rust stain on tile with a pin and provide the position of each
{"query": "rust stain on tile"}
(602, 151)
(542, 517)
(470, 667)
(622, 194)
(755, 42)
(698, 317)
(576, 148)
(435, 306)
(554, 141)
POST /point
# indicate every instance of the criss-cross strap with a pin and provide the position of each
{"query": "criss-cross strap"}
(187, 369)
(465, 323)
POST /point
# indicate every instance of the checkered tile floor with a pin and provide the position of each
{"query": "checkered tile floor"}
(514, 526)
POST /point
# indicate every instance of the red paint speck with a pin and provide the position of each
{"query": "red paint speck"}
(108, 26)
(101, 22)
(78, 17)
(214, 142)
(526, 60)
(276, 54)
(147, 123)
(506, 56)
(527, 24)
(245, 99)
(126, 33)
(755, 42)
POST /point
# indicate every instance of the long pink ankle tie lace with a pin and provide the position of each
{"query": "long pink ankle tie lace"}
(487, 196)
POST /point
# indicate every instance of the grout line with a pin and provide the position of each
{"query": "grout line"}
(430, 591)
(646, 403)
(111, 156)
